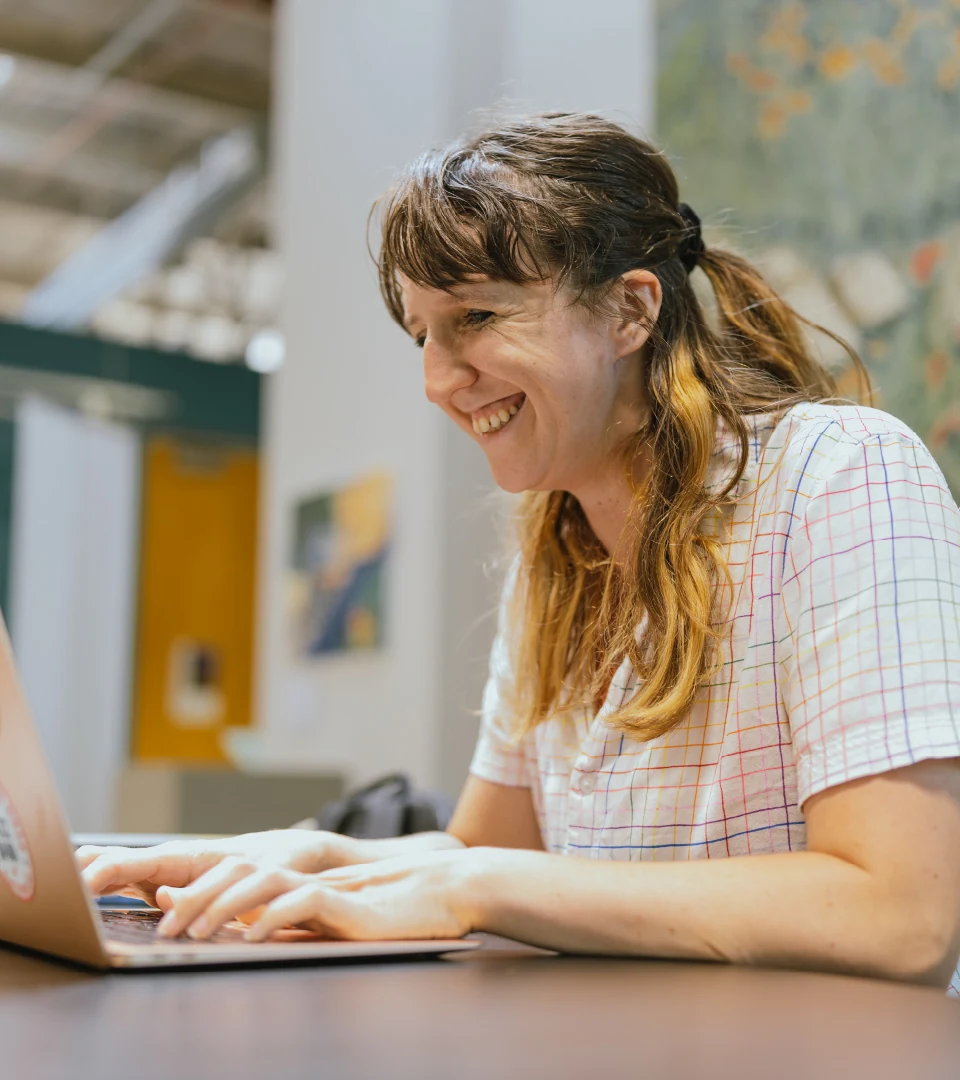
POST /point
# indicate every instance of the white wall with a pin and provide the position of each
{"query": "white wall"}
(365, 85)
(583, 55)
(359, 92)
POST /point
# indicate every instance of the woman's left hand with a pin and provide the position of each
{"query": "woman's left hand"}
(420, 896)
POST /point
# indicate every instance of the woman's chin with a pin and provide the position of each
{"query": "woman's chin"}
(515, 481)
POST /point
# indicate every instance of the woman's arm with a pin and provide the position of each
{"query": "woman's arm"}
(495, 815)
(876, 893)
(487, 814)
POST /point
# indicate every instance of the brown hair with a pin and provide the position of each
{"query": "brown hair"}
(576, 199)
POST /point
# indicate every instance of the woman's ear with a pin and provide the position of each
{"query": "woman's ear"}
(640, 298)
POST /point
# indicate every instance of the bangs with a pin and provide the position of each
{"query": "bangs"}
(457, 216)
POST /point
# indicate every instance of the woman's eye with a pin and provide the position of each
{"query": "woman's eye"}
(472, 319)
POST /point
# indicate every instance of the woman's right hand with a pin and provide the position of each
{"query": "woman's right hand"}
(139, 872)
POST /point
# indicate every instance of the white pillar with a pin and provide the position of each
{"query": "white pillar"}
(583, 56)
(363, 87)
(72, 597)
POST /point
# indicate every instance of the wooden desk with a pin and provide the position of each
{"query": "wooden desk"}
(492, 1014)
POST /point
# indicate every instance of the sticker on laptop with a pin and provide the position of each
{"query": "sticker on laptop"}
(16, 866)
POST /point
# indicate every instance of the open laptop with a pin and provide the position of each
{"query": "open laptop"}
(45, 906)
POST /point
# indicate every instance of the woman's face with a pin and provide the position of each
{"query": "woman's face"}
(547, 388)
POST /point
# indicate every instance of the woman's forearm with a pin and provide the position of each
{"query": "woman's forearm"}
(801, 910)
(351, 852)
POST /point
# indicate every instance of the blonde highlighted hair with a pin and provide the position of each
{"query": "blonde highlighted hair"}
(578, 200)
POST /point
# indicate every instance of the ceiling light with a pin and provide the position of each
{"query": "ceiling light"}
(265, 351)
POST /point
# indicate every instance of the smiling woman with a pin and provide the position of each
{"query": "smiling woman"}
(723, 713)
(568, 235)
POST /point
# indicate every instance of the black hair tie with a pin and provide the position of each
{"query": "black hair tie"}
(691, 245)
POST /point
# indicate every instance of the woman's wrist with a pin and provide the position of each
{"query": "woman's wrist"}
(329, 850)
(477, 879)
(326, 850)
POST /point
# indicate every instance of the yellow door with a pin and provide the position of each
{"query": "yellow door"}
(195, 636)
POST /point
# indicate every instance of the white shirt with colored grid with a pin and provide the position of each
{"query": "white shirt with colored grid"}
(841, 659)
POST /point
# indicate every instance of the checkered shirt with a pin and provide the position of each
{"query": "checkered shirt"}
(841, 658)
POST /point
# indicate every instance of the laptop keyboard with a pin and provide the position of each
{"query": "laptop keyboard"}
(136, 927)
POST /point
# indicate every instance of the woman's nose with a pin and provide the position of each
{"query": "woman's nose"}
(444, 373)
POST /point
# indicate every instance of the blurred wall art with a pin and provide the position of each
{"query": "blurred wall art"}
(823, 140)
(341, 540)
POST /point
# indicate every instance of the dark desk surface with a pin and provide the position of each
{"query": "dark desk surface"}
(495, 1013)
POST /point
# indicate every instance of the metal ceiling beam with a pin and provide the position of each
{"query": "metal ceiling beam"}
(248, 14)
(127, 178)
(102, 104)
(30, 41)
(39, 83)
(111, 56)
(187, 203)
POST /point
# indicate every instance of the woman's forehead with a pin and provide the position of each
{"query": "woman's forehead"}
(478, 291)
(472, 283)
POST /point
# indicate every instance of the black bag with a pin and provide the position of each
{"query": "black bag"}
(387, 807)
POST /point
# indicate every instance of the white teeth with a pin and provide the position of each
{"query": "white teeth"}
(495, 420)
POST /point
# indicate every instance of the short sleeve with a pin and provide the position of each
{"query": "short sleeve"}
(499, 756)
(871, 601)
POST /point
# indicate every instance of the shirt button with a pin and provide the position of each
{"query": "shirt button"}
(588, 783)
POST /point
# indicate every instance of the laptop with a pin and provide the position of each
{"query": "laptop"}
(45, 906)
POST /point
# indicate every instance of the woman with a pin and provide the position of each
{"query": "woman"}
(728, 668)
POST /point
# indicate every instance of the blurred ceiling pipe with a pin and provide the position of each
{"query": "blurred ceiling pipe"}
(45, 83)
(125, 179)
(125, 42)
(131, 246)
(259, 15)
(104, 104)
(95, 72)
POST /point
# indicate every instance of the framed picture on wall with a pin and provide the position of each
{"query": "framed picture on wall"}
(341, 541)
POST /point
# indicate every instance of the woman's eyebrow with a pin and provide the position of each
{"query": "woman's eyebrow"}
(465, 294)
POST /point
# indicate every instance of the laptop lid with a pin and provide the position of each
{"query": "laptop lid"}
(43, 902)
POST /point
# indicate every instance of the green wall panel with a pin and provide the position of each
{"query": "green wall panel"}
(215, 398)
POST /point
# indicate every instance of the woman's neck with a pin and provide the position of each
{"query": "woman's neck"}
(608, 495)
(606, 503)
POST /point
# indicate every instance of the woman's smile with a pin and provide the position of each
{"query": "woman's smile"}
(489, 419)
